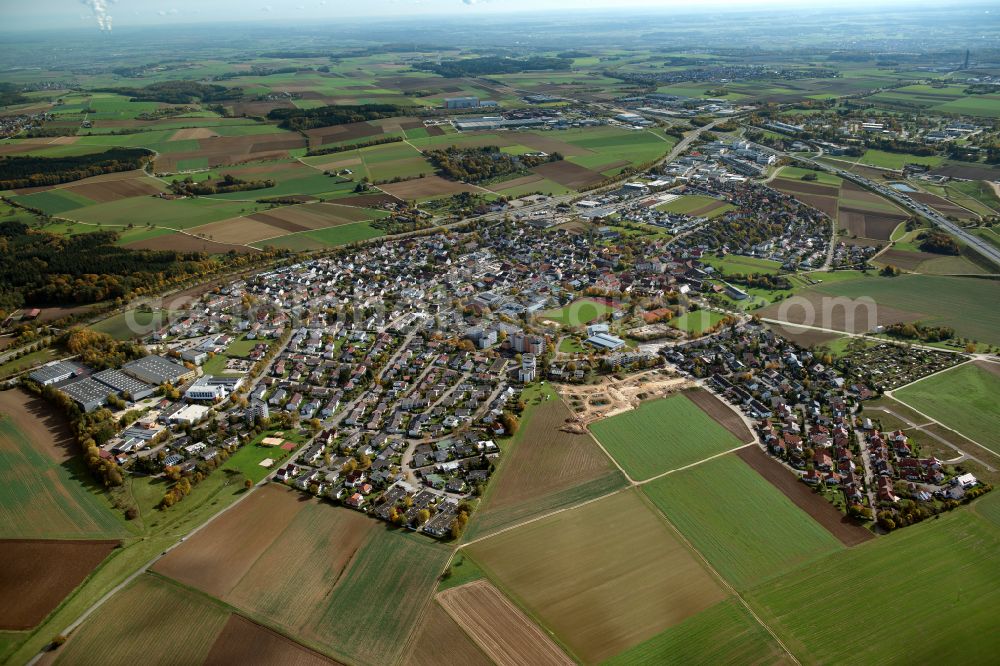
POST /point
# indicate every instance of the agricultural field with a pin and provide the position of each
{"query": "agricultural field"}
(243, 641)
(282, 575)
(958, 302)
(953, 560)
(963, 398)
(723, 634)
(717, 507)
(144, 620)
(567, 572)
(38, 574)
(896, 161)
(663, 435)
(439, 640)
(46, 489)
(499, 628)
(543, 468)
(695, 205)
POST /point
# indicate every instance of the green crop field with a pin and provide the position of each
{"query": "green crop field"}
(175, 214)
(724, 634)
(930, 589)
(886, 160)
(822, 177)
(966, 304)
(963, 398)
(662, 435)
(387, 585)
(40, 497)
(132, 324)
(146, 619)
(718, 507)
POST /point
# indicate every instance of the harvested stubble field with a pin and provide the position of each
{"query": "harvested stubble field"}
(428, 186)
(571, 175)
(663, 435)
(245, 642)
(869, 224)
(803, 337)
(153, 617)
(39, 573)
(718, 507)
(846, 530)
(440, 640)
(185, 242)
(43, 483)
(603, 577)
(500, 629)
(546, 467)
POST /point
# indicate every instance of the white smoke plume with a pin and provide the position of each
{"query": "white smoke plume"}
(100, 10)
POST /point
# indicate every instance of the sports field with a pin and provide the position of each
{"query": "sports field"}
(662, 435)
(963, 398)
(930, 589)
(718, 507)
(578, 313)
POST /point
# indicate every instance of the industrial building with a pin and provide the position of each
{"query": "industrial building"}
(157, 370)
(55, 372)
(605, 341)
(211, 387)
(88, 393)
(122, 384)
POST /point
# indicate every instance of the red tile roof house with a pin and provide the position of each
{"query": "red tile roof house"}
(355, 500)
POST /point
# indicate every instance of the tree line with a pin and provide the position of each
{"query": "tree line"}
(477, 165)
(228, 183)
(30, 171)
(304, 119)
(177, 92)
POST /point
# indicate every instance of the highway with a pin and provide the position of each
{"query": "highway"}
(901, 199)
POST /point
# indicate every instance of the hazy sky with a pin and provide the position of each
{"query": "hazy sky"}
(35, 14)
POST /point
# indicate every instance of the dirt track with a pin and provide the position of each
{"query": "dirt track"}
(839, 525)
(501, 630)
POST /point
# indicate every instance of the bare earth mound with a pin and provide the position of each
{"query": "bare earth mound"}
(246, 642)
(839, 525)
(39, 573)
(501, 630)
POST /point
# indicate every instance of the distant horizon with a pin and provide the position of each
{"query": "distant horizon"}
(44, 16)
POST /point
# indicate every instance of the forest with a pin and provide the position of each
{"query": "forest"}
(493, 65)
(477, 165)
(304, 119)
(41, 268)
(178, 92)
(228, 183)
(29, 171)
